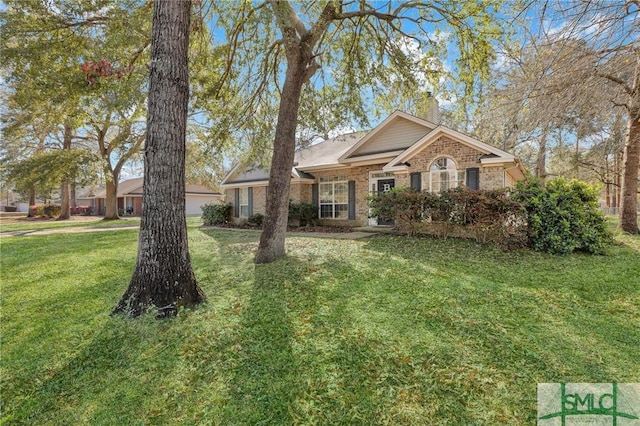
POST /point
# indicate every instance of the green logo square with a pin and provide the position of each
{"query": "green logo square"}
(595, 404)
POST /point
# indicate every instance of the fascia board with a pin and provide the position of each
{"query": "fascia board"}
(228, 175)
(389, 168)
(367, 161)
(496, 161)
(303, 180)
(474, 143)
(245, 184)
(323, 167)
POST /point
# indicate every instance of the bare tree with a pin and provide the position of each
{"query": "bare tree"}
(611, 57)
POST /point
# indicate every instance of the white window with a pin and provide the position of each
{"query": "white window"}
(442, 176)
(334, 198)
(244, 202)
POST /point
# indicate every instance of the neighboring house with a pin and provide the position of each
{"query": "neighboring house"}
(338, 174)
(130, 198)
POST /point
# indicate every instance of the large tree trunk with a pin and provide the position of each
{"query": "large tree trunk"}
(65, 209)
(72, 195)
(629, 193)
(163, 277)
(65, 205)
(32, 199)
(274, 227)
(111, 198)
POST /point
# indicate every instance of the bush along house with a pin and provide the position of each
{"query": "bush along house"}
(337, 175)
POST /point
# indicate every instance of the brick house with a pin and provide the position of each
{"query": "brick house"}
(338, 174)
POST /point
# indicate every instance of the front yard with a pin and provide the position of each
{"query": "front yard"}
(385, 330)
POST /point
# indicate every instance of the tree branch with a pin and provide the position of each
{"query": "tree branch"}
(628, 90)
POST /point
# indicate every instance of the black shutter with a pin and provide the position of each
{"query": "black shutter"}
(236, 204)
(352, 200)
(250, 196)
(473, 178)
(315, 195)
(416, 181)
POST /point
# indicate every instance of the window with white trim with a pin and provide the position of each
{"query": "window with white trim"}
(244, 202)
(442, 176)
(334, 197)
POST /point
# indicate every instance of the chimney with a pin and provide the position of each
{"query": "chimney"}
(428, 109)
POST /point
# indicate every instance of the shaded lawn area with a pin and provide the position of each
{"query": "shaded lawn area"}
(386, 330)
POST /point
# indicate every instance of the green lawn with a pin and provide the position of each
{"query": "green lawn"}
(385, 330)
(24, 224)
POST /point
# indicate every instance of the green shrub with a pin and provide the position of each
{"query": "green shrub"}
(405, 206)
(563, 217)
(303, 213)
(256, 219)
(216, 214)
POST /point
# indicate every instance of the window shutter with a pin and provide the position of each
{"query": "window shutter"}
(352, 199)
(473, 178)
(250, 196)
(236, 204)
(416, 181)
(315, 196)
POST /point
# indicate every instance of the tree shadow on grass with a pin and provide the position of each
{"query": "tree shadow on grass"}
(114, 379)
(266, 379)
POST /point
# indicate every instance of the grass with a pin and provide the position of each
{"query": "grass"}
(24, 224)
(386, 330)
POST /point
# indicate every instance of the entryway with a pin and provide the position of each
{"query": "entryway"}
(381, 182)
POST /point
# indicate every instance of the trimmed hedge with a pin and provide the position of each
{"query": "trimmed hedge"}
(256, 219)
(302, 214)
(216, 214)
(480, 215)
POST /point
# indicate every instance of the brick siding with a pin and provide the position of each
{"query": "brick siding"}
(464, 156)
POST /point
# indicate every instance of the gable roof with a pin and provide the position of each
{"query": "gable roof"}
(320, 155)
(326, 153)
(491, 153)
(397, 132)
(126, 187)
(391, 143)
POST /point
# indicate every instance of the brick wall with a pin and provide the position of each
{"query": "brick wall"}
(361, 176)
(491, 177)
(300, 192)
(464, 156)
(259, 199)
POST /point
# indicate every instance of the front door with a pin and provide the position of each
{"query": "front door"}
(385, 185)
